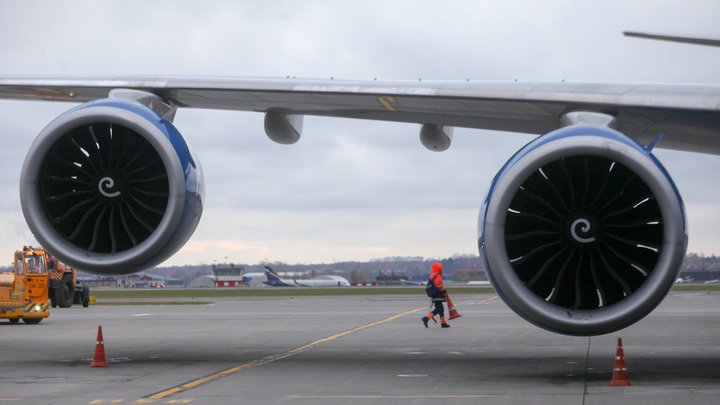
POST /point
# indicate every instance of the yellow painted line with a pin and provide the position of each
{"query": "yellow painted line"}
(391, 396)
(268, 359)
(388, 102)
(271, 358)
(486, 300)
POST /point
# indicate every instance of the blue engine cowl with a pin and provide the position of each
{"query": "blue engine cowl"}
(582, 231)
(111, 187)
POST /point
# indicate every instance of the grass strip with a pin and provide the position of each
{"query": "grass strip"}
(275, 292)
(307, 292)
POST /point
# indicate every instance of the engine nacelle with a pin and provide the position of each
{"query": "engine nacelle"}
(583, 231)
(111, 187)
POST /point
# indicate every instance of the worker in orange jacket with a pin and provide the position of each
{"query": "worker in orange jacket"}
(436, 291)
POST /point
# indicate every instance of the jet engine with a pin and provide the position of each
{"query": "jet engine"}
(111, 187)
(582, 231)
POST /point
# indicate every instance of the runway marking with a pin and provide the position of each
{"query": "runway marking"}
(390, 396)
(268, 359)
(139, 401)
(482, 301)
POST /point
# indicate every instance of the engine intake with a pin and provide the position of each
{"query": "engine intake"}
(583, 231)
(111, 187)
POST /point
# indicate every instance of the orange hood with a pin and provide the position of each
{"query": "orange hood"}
(437, 268)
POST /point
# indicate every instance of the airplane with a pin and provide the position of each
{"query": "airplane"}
(327, 281)
(250, 277)
(582, 231)
(408, 282)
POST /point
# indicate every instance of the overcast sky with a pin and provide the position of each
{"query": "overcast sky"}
(350, 189)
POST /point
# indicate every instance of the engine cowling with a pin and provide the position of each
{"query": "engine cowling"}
(111, 187)
(583, 231)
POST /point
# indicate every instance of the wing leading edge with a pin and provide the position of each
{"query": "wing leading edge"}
(687, 115)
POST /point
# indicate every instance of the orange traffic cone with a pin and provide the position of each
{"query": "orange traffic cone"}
(619, 376)
(453, 312)
(99, 358)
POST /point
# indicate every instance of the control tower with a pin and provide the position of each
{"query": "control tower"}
(228, 275)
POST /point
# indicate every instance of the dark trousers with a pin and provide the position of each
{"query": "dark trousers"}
(439, 309)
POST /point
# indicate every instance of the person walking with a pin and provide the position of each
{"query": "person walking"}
(436, 291)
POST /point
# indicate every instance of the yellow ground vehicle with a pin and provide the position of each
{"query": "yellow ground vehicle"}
(24, 291)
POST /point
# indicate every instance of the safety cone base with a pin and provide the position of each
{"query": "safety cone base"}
(619, 381)
(99, 359)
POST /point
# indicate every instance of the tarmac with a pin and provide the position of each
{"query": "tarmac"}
(355, 350)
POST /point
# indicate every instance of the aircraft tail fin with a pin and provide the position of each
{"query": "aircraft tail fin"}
(272, 277)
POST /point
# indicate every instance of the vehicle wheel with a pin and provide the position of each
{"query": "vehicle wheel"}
(52, 291)
(61, 296)
(85, 296)
(71, 299)
(14, 320)
(32, 321)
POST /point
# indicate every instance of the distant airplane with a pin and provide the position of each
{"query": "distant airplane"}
(479, 282)
(582, 231)
(326, 281)
(249, 277)
(408, 282)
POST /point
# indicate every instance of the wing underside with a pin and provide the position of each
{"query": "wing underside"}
(687, 115)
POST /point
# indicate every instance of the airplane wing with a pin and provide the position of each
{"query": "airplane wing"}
(299, 284)
(687, 115)
(574, 223)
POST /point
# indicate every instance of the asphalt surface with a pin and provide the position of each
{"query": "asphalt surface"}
(355, 350)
